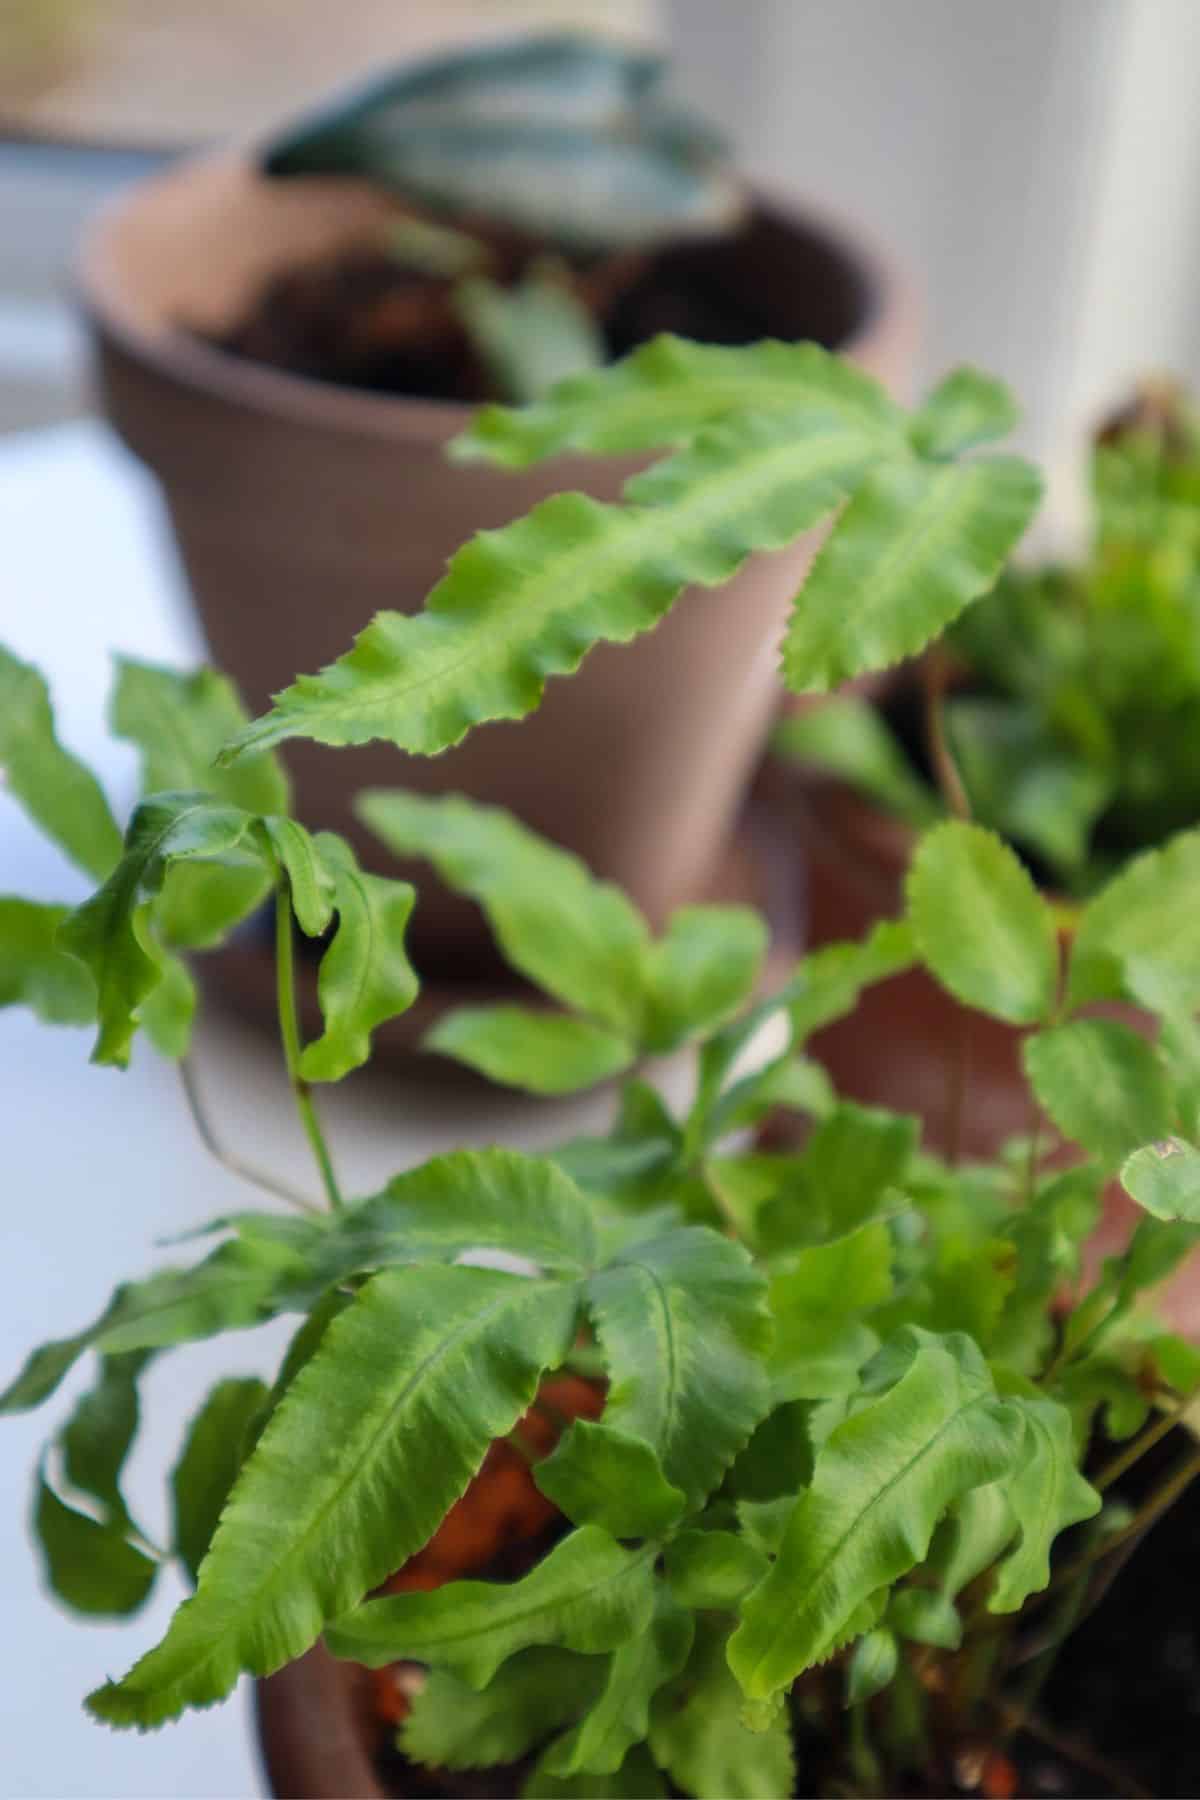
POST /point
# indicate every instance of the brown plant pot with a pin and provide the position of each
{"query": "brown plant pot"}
(301, 509)
(901, 1046)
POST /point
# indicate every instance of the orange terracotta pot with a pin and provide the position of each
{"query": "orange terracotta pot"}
(302, 508)
(907, 1037)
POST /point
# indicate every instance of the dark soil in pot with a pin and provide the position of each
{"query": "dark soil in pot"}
(361, 319)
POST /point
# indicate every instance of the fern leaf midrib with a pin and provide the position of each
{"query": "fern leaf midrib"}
(253, 1597)
(665, 524)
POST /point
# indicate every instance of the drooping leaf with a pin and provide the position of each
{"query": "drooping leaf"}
(466, 1200)
(1139, 939)
(1047, 1493)
(873, 1665)
(828, 982)
(845, 736)
(1164, 1179)
(916, 543)
(587, 1595)
(310, 880)
(668, 391)
(168, 1012)
(580, 939)
(365, 976)
(91, 1567)
(881, 1482)
(598, 1475)
(99, 1434)
(1102, 1084)
(104, 932)
(519, 605)
(620, 1717)
(544, 1053)
(34, 972)
(240, 1284)
(424, 1368)
(966, 409)
(707, 962)
(212, 1453)
(682, 1323)
(698, 1736)
(981, 925)
(59, 794)
(451, 1726)
(712, 1570)
(966, 1543)
(179, 721)
(776, 1463)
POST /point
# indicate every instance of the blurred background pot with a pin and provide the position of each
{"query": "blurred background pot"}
(302, 508)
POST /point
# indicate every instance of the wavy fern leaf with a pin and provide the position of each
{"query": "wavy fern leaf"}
(598, 1475)
(466, 1200)
(541, 1052)
(519, 605)
(1047, 1493)
(56, 790)
(103, 933)
(914, 546)
(880, 1484)
(683, 1326)
(620, 1717)
(424, 1369)
(587, 1595)
(666, 392)
(217, 1439)
(365, 976)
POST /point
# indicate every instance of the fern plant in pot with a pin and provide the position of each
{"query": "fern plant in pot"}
(656, 1464)
(542, 200)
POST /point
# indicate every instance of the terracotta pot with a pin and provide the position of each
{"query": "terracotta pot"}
(902, 1044)
(301, 509)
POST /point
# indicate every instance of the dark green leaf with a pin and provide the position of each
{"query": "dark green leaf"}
(620, 1718)
(56, 790)
(1102, 1085)
(424, 1369)
(598, 1475)
(587, 1595)
(90, 1566)
(916, 543)
(216, 1442)
(97, 1437)
(981, 925)
(698, 1736)
(451, 1726)
(712, 1570)
(682, 1323)
(544, 1053)
(34, 972)
(365, 976)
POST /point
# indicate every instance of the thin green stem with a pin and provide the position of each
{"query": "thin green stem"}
(1146, 1440)
(289, 1031)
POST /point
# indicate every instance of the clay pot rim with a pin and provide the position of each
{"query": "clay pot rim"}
(102, 296)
